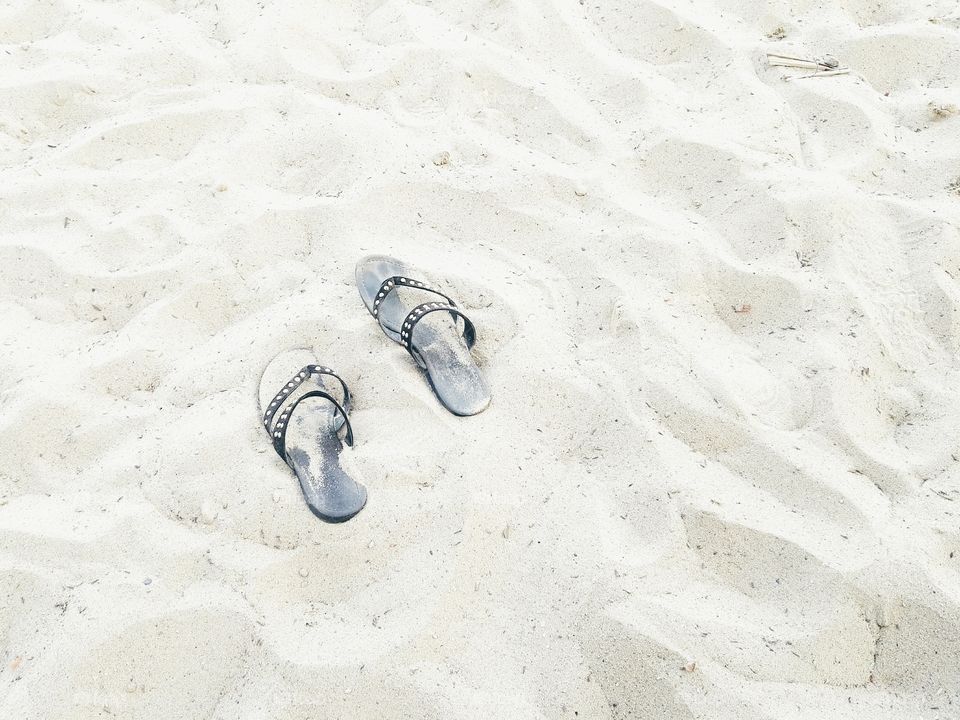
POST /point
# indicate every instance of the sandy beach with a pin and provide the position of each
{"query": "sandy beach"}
(718, 307)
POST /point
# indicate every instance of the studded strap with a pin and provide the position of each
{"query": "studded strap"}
(392, 283)
(421, 311)
(278, 428)
(279, 435)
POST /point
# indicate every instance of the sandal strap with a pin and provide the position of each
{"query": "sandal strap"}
(392, 283)
(469, 332)
(279, 434)
(284, 396)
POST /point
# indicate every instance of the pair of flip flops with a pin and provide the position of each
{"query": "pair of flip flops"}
(305, 417)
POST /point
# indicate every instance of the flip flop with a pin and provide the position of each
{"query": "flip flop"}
(425, 322)
(303, 420)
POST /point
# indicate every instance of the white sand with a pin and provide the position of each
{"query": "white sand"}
(720, 313)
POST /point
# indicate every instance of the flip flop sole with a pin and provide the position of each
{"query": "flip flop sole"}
(451, 370)
(312, 445)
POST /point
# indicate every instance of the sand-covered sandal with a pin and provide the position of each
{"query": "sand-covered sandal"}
(303, 420)
(430, 326)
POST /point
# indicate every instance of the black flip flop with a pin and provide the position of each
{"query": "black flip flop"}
(427, 324)
(303, 420)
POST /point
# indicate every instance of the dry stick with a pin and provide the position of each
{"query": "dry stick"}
(828, 63)
(823, 68)
(827, 73)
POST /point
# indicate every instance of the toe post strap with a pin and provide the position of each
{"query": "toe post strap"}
(276, 425)
(405, 335)
(396, 282)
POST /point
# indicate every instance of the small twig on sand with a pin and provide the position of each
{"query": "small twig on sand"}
(822, 67)
(826, 73)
